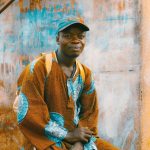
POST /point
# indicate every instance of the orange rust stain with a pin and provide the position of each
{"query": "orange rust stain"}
(1, 83)
(121, 5)
(34, 4)
(73, 3)
(37, 4)
(22, 9)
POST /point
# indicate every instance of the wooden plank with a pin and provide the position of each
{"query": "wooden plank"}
(5, 4)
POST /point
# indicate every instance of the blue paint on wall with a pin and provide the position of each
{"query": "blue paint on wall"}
(36, 31)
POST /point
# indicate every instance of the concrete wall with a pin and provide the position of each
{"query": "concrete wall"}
(112, 52)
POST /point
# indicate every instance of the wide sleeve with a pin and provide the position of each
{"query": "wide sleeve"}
(89, 109)
(33, 116)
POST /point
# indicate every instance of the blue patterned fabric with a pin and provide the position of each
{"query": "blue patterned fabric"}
(91, 144)
(55, 130)
(32, 65)
(19, 88)
(57, 118)
(92, 86)
(23, 106)
(75, 89)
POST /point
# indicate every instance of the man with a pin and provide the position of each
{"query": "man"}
(60, 110)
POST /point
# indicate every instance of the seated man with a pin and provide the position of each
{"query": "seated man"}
(59, 110)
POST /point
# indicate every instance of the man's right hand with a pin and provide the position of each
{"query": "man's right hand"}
(82, 134)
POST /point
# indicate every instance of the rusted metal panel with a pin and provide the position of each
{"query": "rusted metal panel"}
(112, 52)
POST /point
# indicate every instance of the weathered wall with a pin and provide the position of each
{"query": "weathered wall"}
(112, 52)
(145, 80)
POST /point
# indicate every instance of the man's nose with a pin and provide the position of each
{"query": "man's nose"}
(75, 39)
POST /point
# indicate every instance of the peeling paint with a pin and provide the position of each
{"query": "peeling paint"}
(28, 28)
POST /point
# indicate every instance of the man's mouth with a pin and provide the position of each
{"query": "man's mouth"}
(75, 47)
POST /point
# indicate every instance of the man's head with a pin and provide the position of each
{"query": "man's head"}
(71, 37)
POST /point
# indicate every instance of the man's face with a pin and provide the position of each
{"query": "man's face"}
(71, 41)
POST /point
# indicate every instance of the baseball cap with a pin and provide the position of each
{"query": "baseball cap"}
(68, 21)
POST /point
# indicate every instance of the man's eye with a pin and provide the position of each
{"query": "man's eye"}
(81, 36)
(67, 36)
(70, 36)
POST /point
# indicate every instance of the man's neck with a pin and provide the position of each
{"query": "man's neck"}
(64, 60)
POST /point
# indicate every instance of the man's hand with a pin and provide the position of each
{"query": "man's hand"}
(77, 146)
(82, 134)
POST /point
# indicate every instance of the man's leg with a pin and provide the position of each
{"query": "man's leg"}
(104, 145)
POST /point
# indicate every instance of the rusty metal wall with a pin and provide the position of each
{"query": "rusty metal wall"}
(112, 52)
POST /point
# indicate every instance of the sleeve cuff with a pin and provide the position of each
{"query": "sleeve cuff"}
(53, 130)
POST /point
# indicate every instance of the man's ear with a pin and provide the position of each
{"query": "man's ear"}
(57, 39)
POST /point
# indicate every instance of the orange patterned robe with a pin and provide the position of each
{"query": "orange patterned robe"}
(51, 106)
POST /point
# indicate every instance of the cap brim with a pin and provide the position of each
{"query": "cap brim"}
(83, 26)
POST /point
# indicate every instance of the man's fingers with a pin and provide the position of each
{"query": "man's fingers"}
(84, 139)
(87, 131)
(87, 136)
(82, 134)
